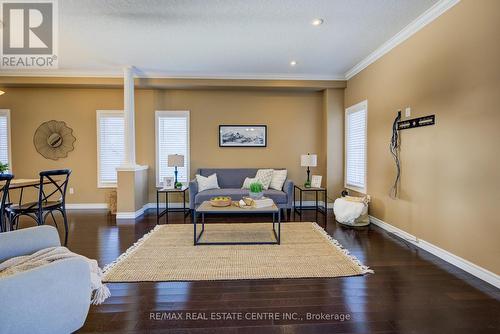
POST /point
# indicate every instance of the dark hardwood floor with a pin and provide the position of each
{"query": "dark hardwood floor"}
(410, 292)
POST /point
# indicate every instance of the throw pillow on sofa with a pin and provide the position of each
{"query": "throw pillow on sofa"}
(205, 183)
(264, 176)
(278, 179)
(248, 181)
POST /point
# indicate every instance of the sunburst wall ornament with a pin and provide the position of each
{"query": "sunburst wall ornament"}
(54, 140)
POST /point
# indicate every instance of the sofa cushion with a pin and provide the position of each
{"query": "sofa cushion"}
(230, 177)
(248, 181)
(205, 183)
(278, 179)
(264, 176)
(279, 197)
(206, 195)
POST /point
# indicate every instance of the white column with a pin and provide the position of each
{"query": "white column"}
(129, 110)
(132, 178)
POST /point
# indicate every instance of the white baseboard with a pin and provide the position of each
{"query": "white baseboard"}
(147, 206)
(86, 206)
(451, 258)
(178, 205)
(313, 203)
(99, 206)
(131, 214)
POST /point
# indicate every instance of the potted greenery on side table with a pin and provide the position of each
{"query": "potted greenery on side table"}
(3, 168)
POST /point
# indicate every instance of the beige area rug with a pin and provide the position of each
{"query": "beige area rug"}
(167, 253)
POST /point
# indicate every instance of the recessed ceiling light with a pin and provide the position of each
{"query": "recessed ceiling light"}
(317, 22)
(293, 63)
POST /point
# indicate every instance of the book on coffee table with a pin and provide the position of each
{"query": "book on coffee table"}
(264, 202)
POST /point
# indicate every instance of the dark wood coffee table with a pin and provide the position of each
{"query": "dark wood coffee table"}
(206, 208)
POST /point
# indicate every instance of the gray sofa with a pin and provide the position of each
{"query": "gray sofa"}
(230, 181)
(51, 299)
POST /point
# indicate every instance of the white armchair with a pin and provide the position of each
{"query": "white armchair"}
(51, 299)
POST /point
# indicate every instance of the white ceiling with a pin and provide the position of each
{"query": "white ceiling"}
(227, 38)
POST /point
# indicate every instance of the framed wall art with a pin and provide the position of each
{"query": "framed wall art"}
(242, 135)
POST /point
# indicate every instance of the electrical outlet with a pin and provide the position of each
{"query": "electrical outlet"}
(407, 112)
(71, 191)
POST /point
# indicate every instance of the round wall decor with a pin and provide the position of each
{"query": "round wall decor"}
(54, 140)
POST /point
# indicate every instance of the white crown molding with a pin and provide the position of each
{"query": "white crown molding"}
(451, 258)
(427, 17)
(63, 73)
(166, 75)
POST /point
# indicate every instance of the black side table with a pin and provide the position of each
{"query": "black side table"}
(321, 209)
(167, 209)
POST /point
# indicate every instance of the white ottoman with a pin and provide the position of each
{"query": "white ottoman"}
(351, 213)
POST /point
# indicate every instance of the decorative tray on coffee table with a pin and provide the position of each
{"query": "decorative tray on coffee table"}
(221, 201)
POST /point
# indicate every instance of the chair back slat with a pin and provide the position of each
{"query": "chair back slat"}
(4, 193)
(50, 178)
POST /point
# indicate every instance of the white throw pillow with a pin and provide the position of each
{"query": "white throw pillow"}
(264, 176)
(248, 181)
(278, 179)
(205, 183)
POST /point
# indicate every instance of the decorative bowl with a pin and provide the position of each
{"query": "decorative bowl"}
(221, 201)
(258, 195)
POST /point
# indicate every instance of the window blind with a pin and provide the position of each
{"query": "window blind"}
(4, 139)
(356, 148)
(172, 138)
(111, 149)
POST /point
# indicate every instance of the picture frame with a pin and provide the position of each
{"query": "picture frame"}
(316, 181)
(168, 182)
(242, 135)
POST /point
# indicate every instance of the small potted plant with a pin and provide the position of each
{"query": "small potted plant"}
(256, 190)
(3, 168)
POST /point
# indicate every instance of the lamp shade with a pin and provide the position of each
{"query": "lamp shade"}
(175, 160)
(308, 160)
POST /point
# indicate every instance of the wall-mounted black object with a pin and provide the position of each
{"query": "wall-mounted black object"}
(394, 147)
(416, 122)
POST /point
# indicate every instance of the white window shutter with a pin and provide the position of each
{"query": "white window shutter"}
(4, 138)
(172, 136)
(356, 121)
(111, 151)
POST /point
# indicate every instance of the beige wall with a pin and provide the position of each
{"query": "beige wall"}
(294, 120)
(132, 190)
(450, 187)
(333, 108)
(29, 107)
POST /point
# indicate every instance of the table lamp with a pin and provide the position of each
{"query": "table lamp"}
(175, 160)
(308, 160)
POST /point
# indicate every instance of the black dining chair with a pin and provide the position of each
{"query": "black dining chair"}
(55, 181)
(4, 194)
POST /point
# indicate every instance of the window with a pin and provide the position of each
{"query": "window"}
(172, 137)
(110, 146)
(5, 156)
(355, 146)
